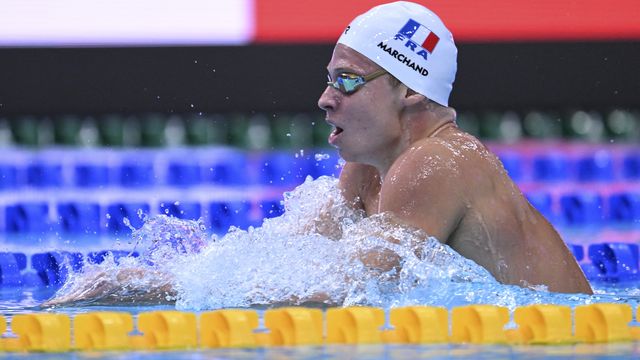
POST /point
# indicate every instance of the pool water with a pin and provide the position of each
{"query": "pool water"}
(289, 259)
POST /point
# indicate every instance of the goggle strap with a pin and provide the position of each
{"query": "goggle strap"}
(374, 75)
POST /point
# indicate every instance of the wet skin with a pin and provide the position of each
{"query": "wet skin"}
(407, 157)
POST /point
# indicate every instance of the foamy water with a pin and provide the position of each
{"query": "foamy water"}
(319, 250)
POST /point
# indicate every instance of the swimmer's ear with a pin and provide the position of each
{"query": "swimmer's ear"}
(412, 98)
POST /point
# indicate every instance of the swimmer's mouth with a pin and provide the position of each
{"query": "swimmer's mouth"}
(334, 134)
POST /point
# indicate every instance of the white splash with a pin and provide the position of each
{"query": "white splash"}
(319, 250)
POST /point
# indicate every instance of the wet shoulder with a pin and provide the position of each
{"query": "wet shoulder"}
(447, 151)
(452, 159)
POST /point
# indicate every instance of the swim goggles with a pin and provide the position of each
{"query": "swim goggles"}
(348, 83)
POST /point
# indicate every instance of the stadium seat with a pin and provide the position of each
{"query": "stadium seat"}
(134, 212)
(91, 175)
(137, 172)
(513, 164)
(543, 202)
(223, 214)
(11, 266)
(181, 209)
(27, 217)
(183, 173)
(596, 167)
(583, 208)
(282, 168)
(228, 167)
(8, 176)
(631, 166)
(551, 167)
(624, 207)
(53, 267)
(79, 218)
(44, 174)
(616, 262)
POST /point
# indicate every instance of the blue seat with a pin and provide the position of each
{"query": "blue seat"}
(596, 167)
(577, 251)
(552, 167)
(624, 207)
(184, 173)
(581, 209)
(223, 214)
(182, 210)
(91, 175)
(513, 165)
(326, 164)
(616, 262)
(8, 176)
(137, 173)
(44, 174)
(543, 202)
(97, 257)
(271, 208)
(11, 267)
(53, 267)
(592, 272)
(79, 218)
(631, 166)
(282, 168)
(134, 212)
(227, 168)
(28, 217)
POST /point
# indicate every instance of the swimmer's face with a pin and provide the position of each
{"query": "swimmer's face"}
(366, 123)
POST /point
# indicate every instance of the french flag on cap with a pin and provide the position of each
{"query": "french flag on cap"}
(420, 34)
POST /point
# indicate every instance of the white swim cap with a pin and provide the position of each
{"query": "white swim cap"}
(411, 43)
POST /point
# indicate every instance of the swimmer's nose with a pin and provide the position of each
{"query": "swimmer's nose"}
(327, 101)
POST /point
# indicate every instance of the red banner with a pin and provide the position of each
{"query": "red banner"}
(469, 20)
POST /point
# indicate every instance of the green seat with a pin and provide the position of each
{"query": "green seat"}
(542, 125)
(66, 130)
(111, 130)
(206, 129)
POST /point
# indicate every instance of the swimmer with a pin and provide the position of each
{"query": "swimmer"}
(390, 77)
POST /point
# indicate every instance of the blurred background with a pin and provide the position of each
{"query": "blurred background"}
(110, 111)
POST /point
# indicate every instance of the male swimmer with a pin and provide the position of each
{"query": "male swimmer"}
(390, 77)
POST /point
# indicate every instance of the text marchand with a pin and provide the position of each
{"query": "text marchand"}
(403, 59)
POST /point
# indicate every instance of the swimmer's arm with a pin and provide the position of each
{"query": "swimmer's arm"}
(127, 285)
(350, 185)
